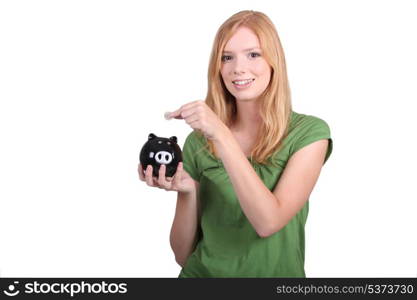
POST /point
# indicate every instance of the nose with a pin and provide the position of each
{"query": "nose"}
(163, 157)
(236, 72)
(239, 66)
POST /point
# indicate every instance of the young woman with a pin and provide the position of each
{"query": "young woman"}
(250, 164)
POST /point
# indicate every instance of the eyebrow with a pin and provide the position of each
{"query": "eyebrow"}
(244, 49)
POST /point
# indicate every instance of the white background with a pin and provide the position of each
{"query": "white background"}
(83, 83)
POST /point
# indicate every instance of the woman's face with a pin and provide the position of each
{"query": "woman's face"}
(245, 72)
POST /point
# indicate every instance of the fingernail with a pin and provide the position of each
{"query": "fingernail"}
(167, 115)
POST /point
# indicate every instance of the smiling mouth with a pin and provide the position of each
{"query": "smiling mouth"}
(243, 82)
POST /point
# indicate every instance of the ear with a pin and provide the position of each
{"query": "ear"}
(173, 138)
(151, 136)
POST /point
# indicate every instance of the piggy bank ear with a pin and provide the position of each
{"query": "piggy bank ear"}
(173, 138)
(151, 136)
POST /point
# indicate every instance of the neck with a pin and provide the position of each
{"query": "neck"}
(248, 118)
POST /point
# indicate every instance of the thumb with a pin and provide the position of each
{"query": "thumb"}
(177, 176)
(175, 114)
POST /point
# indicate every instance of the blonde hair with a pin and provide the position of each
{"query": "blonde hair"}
(275, 109)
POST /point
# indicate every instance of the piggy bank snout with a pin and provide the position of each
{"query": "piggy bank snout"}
(163, 157)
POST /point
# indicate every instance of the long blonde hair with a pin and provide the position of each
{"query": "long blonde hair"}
(275, 109)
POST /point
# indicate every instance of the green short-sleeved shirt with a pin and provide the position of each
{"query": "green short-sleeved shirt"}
(228, 245)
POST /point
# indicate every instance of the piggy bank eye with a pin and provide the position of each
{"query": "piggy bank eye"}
(169, 143)
(151, 155)
(159, 142)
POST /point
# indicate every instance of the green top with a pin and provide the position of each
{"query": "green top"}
(228, 245)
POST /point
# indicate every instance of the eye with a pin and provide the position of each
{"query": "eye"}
(254, 54)
(226, 57)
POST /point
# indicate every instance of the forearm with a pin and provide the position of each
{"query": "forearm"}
(257, 202)
(184, 228)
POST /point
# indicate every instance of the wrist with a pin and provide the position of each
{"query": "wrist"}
(187, 194)
(223, 134)
(225, 142)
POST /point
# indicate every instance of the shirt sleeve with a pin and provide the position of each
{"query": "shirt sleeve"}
(313, 130)
(189, 157)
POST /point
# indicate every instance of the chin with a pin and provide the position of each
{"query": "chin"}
(246, 98)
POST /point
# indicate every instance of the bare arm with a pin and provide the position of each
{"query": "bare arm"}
(183, 236)
(184, 230)
(267, 211)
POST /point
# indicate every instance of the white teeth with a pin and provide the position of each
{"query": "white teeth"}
(242, 82)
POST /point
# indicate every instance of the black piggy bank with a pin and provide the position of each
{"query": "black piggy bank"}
(159, 151)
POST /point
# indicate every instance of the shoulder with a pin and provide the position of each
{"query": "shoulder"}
(307, 129)
(194, 139)
(299, 122)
